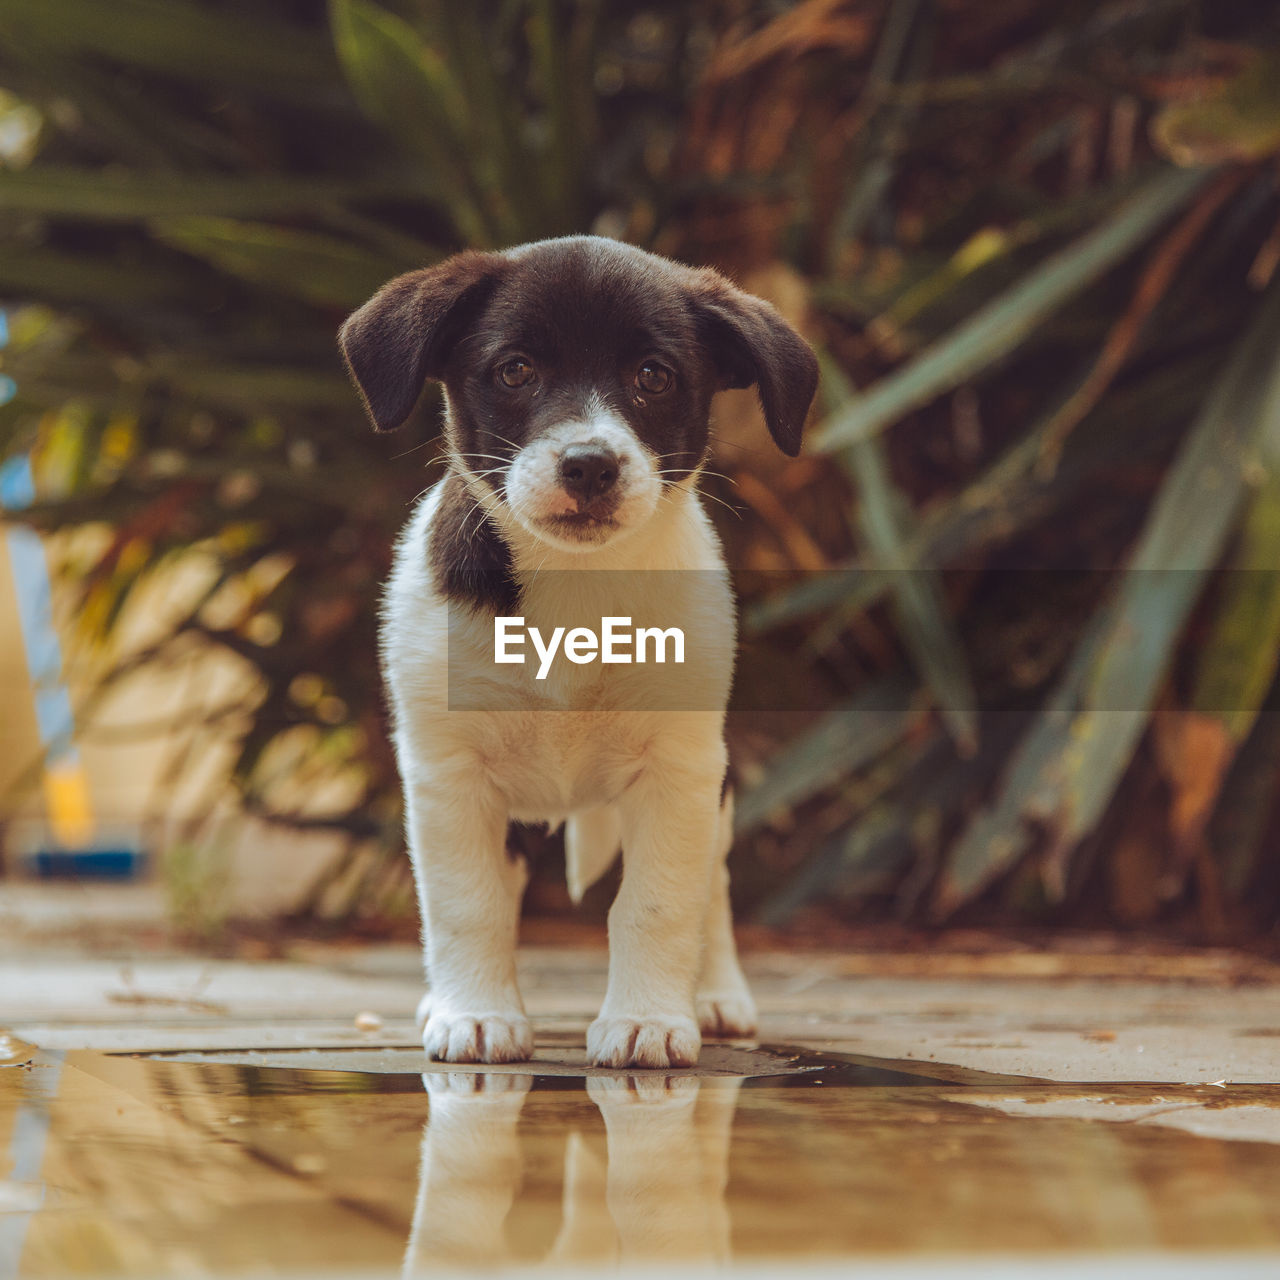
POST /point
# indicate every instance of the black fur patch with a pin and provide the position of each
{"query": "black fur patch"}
(470, 562)
(587, 313)
(527, 840)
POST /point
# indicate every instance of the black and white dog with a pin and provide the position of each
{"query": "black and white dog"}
(578, 377)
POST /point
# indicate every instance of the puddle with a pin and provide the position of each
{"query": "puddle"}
(555, 1056)
(297, 1162)
(14, 1052)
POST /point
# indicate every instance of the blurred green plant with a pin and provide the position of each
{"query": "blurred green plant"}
(196, 875)
(1042, 244)
(1125, 672)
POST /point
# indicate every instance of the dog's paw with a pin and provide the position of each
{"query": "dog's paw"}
(488, 1086)
(641, 1091)
(728, 1015)
(487, 1037)
(643, 1042)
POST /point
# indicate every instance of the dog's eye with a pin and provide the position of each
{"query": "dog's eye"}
(517, 372)
(654, 378)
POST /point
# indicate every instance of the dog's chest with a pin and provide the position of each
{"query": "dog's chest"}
(560, 736)
(550, 764)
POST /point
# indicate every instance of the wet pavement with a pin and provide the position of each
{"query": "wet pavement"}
(196, 1128)
(168, 1164)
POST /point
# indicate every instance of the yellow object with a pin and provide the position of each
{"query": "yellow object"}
(66, 793)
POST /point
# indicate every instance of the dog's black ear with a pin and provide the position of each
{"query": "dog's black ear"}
(403, 334)
(752, 344)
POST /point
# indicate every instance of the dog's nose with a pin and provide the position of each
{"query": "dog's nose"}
(588, 470)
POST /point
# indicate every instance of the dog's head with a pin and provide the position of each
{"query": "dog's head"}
(578, 374)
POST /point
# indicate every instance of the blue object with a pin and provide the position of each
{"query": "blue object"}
(88, 864)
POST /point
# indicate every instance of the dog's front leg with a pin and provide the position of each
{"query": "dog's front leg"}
(469, 1172)
(725, 1006)
(665, 1200)
(657, 922)
(469, 894)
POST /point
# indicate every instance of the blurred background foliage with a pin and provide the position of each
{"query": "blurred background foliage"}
(1024, 578)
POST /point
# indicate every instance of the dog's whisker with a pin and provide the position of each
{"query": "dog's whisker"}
(688, 471)
(494, 457)
(482, 515)
(704, 494)
(395, 457)
(542, 564)
(722, 443)
(503, 439)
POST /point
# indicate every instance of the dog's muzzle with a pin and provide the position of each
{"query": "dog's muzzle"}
(588, 473)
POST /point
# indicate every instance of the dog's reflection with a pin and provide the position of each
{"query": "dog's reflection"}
(658, 1191)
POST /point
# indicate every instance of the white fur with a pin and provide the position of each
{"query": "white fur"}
(658, 1195)
(536, 496)
(615, 750)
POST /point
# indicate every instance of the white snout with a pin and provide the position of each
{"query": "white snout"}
(545, 508)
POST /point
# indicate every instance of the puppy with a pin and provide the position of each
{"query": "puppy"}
(578, 377)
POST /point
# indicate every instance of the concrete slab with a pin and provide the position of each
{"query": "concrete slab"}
(1066, 1029)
